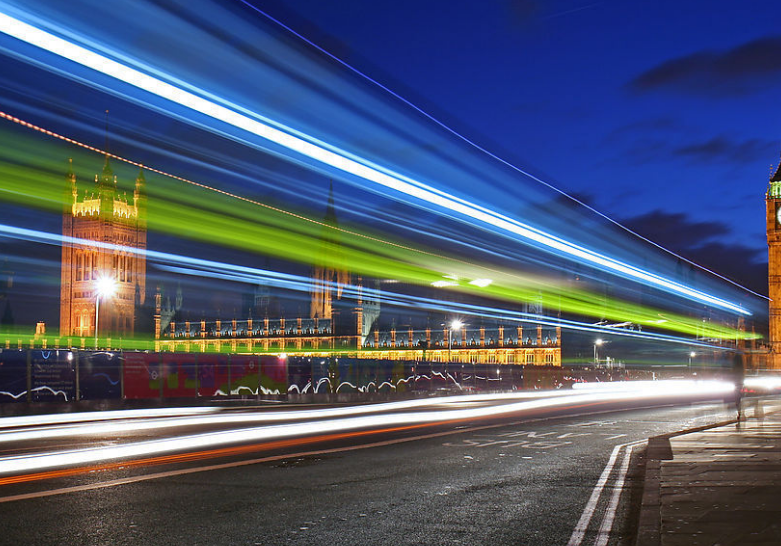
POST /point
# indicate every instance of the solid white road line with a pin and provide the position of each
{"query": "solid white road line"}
(607, 521)
(588, 512)
(585, 518)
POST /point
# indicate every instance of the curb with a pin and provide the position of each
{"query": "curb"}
(649, 522)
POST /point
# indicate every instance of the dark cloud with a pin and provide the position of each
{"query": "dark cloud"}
(643, 145)
(739, 263)
(723, 149)
(736, 72)
(641, 127)
(698, 242)
(675, 230)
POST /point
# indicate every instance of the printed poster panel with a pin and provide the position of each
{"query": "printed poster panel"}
(299, 374)
(212, 375)
(100, 375)
(179, 375)
(53, 376)
(142, 375)
(244, 374)
(13, 376)
(273, 375)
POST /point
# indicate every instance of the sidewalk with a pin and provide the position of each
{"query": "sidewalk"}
(716, 486)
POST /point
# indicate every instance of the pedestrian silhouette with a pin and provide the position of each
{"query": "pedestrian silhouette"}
(738, 374)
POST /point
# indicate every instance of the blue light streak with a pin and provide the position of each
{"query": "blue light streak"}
(341, 160)
(233, 272)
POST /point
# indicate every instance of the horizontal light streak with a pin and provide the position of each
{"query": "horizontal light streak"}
(345, 161)
(253, 275)
(41, 461)
(767, 382)
(79, 427)
(52, 419)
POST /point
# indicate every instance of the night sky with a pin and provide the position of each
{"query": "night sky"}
(662, 115)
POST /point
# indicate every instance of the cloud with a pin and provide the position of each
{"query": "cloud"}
(675, 230)
(736, 72)
(699, 242)
(723, 149)
(663, 124)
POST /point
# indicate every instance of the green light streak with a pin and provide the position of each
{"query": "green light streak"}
(28, 179)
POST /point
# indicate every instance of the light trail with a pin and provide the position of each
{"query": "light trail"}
(79, 427)
(342, 160)
(490, 154)
(46, 460)
(303, 284)
(568, 302)
(53, 419)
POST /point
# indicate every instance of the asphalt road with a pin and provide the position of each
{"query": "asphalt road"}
(505, 481)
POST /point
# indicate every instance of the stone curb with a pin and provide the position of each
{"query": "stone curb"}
(649, 521)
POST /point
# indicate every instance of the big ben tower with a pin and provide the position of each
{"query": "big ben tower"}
(773, 215)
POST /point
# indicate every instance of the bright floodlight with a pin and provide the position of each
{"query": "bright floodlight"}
(692, 354)
(598, 342)
(105, 287)
(456, 324)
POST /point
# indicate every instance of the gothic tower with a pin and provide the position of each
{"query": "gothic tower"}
(327, 280)
(773, 216)
(101, 215)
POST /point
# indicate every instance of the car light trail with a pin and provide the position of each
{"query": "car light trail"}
(52, 419)
(342, 160)
(79, 427)
(41, 461)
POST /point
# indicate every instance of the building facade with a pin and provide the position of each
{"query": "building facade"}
(114, 230)
(529, 344)
(355, 327)
(773, 219)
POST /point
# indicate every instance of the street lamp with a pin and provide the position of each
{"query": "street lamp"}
(104, 288)
(454, 325)
(597, 343)
(691, 355)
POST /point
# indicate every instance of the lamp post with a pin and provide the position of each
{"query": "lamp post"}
(691, 355)
(597, 343)
(454, 325)
(105, 288)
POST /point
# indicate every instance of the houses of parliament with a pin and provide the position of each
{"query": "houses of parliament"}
(105, 235)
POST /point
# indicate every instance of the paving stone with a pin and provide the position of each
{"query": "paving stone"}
(718, 487)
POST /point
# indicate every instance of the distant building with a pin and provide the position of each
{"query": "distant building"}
(113, 228)
(100, 213)
(355, 327)
(773, 218)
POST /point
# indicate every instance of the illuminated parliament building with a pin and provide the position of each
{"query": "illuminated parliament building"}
(105, 235)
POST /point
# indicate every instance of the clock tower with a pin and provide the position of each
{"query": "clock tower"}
(773, 216)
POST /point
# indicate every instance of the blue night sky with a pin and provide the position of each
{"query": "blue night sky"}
(661, 114)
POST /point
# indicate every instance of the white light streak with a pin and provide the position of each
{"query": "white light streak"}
(39, 461)
(137, 420)
(342, 160)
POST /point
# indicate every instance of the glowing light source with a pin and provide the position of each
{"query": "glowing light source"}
(105, 287)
